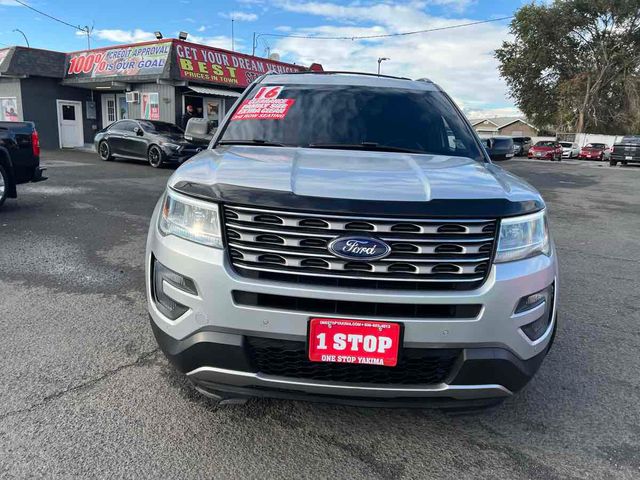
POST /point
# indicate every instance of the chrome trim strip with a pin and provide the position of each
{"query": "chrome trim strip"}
(365, 218)
(360, 277)
(235, 378)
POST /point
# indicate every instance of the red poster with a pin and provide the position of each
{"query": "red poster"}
(207, 64)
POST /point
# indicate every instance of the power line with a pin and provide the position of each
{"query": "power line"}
(384, 35)
(77, 27)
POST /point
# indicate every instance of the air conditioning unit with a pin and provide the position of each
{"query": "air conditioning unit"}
(133, 97)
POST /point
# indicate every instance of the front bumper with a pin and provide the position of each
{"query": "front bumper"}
(209, 342)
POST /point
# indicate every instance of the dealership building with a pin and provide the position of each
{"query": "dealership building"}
(70, 96)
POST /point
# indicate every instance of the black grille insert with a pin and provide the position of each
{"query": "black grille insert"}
(368, 309)
(289, 359)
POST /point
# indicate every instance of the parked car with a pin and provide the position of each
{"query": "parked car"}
(522, 145)
(546, 149)
(346, 238)
(569, 150)
(499, 148)
(594, 151)
(626, 151)
(157, 142)
(19, 157)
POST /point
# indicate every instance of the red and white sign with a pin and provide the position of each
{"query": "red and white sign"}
(362, 342)
(265, 105)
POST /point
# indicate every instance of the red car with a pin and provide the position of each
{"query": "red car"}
(594, 151)
(546, 149)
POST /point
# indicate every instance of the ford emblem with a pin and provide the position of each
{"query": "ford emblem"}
(359, 248)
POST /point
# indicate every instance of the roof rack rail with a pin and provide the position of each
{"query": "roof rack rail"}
(344, 72)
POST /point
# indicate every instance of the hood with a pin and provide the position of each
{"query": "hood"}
(542, 148)
(354, 175)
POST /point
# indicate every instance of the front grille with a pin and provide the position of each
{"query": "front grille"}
(362, 309)
(293, 247)
(289, 359)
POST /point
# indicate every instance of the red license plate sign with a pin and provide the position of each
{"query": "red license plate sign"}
(361, 342)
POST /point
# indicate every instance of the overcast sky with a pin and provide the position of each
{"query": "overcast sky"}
(460, 60)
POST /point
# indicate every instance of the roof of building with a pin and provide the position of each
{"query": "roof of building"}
(20, 61)
(500, 122)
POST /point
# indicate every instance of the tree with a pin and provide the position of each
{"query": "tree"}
(575, 64)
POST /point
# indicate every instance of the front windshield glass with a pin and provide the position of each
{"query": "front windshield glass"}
(545, 144)
(565, 144)
(161, 127)
(595, 145)
(358, 117)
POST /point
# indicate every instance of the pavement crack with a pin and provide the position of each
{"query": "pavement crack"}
(141, 360)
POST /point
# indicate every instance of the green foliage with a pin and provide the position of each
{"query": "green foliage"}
(575, 64)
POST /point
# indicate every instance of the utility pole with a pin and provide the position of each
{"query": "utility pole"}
(233, 49)
(25, 37)
(380, 60)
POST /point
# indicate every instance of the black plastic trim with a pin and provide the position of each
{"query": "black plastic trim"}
(491, 208)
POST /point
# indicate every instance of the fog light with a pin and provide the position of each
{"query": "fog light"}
(167, 305)
(536, 329)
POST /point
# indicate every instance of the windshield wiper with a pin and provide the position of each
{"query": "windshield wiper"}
(374, 146)
(255, 141)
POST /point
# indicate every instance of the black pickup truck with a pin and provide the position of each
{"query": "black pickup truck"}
(626, 151)
(19, 157)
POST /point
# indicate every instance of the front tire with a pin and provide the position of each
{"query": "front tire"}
(155, 156)
(104, 151)
(4, 185)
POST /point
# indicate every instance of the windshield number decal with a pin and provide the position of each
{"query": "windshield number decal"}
(265, 105)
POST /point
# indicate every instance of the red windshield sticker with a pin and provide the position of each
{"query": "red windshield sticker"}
(263, 109)
(268, 92)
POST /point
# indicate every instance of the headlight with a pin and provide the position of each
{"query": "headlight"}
(523, 237)
(172, 146)
(191, 219)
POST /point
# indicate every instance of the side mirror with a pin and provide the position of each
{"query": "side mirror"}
(138, 131)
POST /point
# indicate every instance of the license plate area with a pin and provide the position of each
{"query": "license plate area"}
(360, 342)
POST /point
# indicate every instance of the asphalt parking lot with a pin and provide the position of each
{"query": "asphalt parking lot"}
(84, 392)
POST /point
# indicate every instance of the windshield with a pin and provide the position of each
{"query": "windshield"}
(161, 127)
(565, 144)
(595, 145)
(545, 144)
(634, 139)
(339, 116)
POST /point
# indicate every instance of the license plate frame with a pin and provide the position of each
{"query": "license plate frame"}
(382, 355)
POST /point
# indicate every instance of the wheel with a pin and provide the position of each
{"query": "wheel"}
(155, 156)
(613, 163)
(104, 151)
(4, 185)
(624, 163)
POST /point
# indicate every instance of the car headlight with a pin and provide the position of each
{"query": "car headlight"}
(191, 219)
(172, 146)
(523, 237)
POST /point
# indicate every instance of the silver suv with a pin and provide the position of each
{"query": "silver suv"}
(347, 238)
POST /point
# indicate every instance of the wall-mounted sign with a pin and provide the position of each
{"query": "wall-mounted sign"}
(150, 106)
(207, 64)
(9, 109)
(90, 108)
(146, 59)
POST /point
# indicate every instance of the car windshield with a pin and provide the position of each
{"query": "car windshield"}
(634, 139)
(161, 127)
(565, 144)
(595, 145)
(545, 144)
(354, 117)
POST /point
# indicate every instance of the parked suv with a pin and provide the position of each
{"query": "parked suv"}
(346, 238)
(522, 145)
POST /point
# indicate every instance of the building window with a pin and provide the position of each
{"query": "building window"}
(111, 110)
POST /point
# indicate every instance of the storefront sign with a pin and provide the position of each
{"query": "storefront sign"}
(206, 64)
(146, 59)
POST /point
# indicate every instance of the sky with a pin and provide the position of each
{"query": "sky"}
(460, 60)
